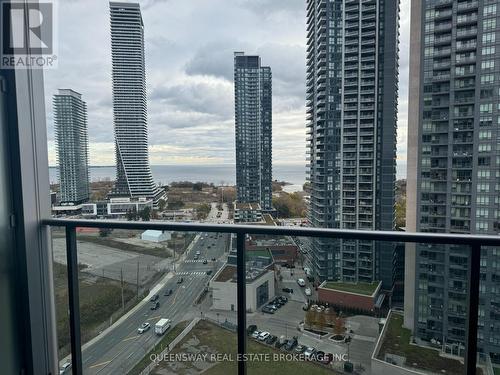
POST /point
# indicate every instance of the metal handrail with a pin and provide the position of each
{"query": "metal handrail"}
(474, 241)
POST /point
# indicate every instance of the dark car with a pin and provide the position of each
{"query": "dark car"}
(271, 340)
(209, 272)
(155, 306)
(213, 259)
(179, 281)
(283, 299)
(319, 356)
(154, 298)
(168, 292)
(291, 343)
(251, 329)
(267, 310)
(288, 290)
(205, 261)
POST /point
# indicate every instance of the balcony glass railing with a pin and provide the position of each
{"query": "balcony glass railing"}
(116, 281)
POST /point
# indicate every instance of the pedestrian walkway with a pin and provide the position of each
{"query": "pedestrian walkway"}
(192, 273)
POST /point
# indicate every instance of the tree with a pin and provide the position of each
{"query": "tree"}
(321, 321)
(401, 213)
(339, 326)
(162, 204)
(202, 211)
(309, 318)
(131, 215)
(145, 214)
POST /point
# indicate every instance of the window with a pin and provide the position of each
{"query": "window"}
(490, 10)
(488, 38)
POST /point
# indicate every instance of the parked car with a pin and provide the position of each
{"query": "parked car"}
(263, 336)
(291, 344)
(179, 281)
(255, 334)
(154, 298)
(168, 292)
(283, 299)
(327, 358)
(309, 352)
(267, 310)
(287, 290)
(251, 329)
(65, 368)
(280, 342)
(299, 349)
(155, 305)
(271, 339)
(301, 282)
(319, 356)
(308, 291)
(143, 328)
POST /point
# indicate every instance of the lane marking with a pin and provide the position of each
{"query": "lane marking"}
(131, 338)
(99, 364)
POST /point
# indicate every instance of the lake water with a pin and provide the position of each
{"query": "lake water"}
(222, 174)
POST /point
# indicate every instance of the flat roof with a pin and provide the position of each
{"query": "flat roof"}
(359, 288)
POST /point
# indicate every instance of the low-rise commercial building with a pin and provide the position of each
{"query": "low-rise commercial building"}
(360, 296)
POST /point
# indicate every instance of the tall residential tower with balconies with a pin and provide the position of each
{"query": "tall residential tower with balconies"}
(133, 173)
(72, 146)
(253, 130)
(351, 100)
(453, 167)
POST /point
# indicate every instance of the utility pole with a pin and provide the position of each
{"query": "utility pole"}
(137, 279)
(123, 299)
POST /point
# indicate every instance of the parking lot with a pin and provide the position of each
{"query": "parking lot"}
(285, 322)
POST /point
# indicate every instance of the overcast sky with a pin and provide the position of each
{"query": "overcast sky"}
(189, 70)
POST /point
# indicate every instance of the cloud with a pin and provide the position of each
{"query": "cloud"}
(189, 68)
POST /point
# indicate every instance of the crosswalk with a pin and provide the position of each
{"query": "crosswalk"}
(193, 261)
(192, 273)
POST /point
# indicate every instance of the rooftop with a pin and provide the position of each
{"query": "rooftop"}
(396, 341)
(359, 288)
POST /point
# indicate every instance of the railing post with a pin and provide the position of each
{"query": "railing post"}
(74, 301)
(241, 301)
(474, 279)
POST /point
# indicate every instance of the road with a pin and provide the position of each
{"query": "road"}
(121, 348)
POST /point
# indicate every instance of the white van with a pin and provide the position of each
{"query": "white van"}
(301, 282)
(162, 326)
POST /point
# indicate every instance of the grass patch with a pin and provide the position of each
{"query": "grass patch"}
(214, 339)
(360, 288)
(496, 370)
(99, 301)
(167, 338)
(397, 341)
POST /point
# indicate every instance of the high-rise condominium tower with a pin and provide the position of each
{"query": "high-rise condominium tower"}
(253, 115)
(70, 117)
(453, 167)
(133, 173)
(351, 100)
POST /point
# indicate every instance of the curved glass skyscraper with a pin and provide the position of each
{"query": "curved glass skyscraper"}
(133, 173)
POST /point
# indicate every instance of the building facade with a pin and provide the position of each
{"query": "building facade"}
(253, 130)
(133, 172)
(351, 103)
(72, 146)
(453, 168)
